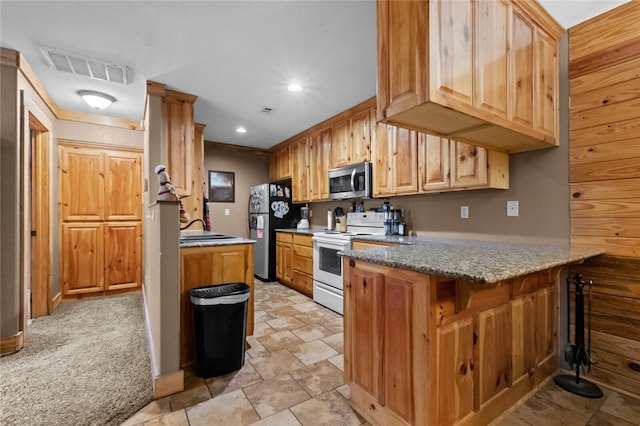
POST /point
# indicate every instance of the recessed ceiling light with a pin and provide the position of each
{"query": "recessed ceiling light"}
(294, 87)
(241, 129)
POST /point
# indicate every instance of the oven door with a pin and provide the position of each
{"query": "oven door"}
(327, 265)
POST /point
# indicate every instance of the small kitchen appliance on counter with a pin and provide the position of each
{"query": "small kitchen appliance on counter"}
(304, 218)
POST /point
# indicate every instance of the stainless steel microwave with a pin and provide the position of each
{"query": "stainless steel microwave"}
(350, 182)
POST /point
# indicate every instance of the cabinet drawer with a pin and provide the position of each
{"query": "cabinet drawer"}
(302, 240)
(302, 283)
(303, 251)
(284, 237)
(303, 264)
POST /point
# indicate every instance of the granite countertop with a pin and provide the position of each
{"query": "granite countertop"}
(483, 262)
(308, 231)
(216, 242)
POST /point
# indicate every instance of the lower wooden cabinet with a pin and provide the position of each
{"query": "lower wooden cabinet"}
(423, 349)
(302, 279)
(101, 256)
(204, 266)
(294, 261)
(284, 257)
(83, 266)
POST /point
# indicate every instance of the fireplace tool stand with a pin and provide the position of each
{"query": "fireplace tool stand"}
(577, 355)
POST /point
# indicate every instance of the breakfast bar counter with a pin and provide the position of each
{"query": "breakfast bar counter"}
(445, 331)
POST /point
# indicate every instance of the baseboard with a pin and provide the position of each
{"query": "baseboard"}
(168, 384)
(55, 302)
(11, 344)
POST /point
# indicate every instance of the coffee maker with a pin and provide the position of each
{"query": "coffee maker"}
(304, 221)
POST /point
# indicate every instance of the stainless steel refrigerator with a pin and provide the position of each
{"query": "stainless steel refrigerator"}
(270, 208)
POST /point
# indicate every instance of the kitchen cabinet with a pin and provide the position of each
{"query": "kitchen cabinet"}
(478, 71)
(197, 182)
(410, 162)
(395, 161)
(178, 145)
(302, 264)
(434, 166)
(300, 152)
(351, 139)
(320, 152)
(424, 349)
(82, 258)
(100, 219)
(280, 164)
(284, 257)
(211, 265)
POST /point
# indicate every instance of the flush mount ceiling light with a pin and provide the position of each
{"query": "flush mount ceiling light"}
(96, 100)
(241, 129)
(294, 87)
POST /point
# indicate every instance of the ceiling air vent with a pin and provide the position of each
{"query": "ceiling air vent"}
(76, 64)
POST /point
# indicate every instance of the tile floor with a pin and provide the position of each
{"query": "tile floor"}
(293, 376)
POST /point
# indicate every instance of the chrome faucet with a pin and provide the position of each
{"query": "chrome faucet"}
(204, 225)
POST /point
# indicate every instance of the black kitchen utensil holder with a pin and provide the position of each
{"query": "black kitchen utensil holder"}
(577, 355)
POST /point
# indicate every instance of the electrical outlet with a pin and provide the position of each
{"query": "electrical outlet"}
(226, 212)
(310, 213)
(512, 208)
(464, 212)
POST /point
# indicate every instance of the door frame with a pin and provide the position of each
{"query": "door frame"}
(37, 139)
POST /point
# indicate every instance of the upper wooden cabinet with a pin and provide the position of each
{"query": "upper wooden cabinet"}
(99, 185)
(280, 164)
(480, 71)
(319, 165)
(351, 139)
(178, 119)
(410, 162)
(300, 170)
(395, 161)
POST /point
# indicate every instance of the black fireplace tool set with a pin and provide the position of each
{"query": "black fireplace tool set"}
(577, 355)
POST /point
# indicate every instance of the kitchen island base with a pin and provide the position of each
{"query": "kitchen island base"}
(429, 350)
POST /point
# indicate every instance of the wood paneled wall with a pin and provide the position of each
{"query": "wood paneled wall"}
(604, 72)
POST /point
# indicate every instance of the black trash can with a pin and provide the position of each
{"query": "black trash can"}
(219, 328)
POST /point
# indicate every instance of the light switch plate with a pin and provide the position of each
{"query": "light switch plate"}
(512, 208)
(226, 212)
(464, 212)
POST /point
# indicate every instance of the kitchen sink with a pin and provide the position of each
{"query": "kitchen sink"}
(196, 235)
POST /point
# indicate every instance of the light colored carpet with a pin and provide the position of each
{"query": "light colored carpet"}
(86, 364)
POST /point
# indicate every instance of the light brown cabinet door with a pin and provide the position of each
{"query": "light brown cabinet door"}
(287, 263)
(180, 130)
(491, 47)
(546, 324)
(452, 47)
(521, 78)
(122, 255)
(319, 165)
(361, 137)
(300, 174)
(545, 87)
(395, 161)
(454, 387)
(523, 358)
(433, 163)
(284, 163)
(82, 245)
(381, 157)
(468, 165)
(340, 141)
(493, 366)
(405, 160)
(81, 184)
(123, 186)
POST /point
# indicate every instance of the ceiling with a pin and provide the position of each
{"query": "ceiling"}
(238, 57)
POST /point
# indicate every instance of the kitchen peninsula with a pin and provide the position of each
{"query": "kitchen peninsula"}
(444, 331)
(209, 261)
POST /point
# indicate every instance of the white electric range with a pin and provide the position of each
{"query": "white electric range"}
(327, 265)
